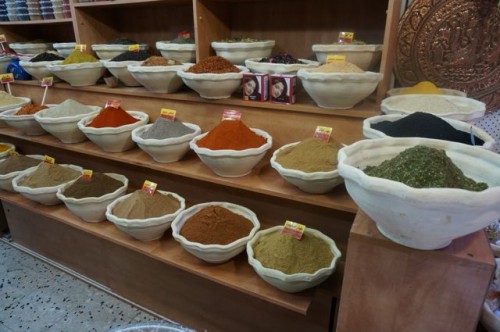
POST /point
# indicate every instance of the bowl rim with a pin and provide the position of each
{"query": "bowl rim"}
(12, 175)
(42, 118)
(446, 91)
(301, 276)
(148, 222)
(29, 45)
(41, 190)
(119, 64)
(233, 153)
(116, 47)
(166, 141)
(9, 115)
(165, 45)
(73, 66)
(29, 64)
(11, 146)
(82, 124)
(64, 45)
(89, 200)
(133, 68)
(364, 77)
(229, 46)
(212, 76)
(235, 208)
(347, 47)
(25, 101)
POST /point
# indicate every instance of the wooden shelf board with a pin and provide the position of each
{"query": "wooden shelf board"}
(39, 22)
(128, 3)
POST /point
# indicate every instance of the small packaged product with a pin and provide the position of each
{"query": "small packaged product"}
(282, 88)
(255, 87)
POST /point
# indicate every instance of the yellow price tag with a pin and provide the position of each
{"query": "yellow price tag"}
(87, 174)
(323, 133)
(3, 39)
(334, 57)
(113, 103)
(231, 115)
(134, 48)
(49, 159)
(294, 229)
(81, 47)
(168, 114)
(149, 187)
(7, 78)
(346, 37)
(47, 81)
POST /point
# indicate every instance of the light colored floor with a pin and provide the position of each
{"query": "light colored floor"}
(36, 296)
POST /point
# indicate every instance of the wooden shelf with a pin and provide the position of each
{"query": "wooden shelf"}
(40, 22)
(129, 3)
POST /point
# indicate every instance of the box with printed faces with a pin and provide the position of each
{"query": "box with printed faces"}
(255, 87)
(282, 88)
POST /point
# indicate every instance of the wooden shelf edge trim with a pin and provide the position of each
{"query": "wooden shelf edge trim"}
(125, 3)
(38, 22)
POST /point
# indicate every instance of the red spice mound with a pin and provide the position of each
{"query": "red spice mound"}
(231, 135)
(30, 109)
(214, 65)
(112, 117)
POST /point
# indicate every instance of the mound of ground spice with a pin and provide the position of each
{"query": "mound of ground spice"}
(16, 163)
(141, 205)
(49, 175)
(112, 117)
(231, 135)
(156, 60)
(163, 128)
(215, 65)
(98, 185)
(30, 109)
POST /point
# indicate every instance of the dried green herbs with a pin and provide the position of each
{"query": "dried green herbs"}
(424, 167)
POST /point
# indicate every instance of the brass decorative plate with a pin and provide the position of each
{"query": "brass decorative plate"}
(454, 44)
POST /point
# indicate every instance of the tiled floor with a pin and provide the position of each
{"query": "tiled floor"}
(35, 296)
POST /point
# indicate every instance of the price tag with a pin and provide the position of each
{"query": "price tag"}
(168, 114)
(346, 37)
(231, 115)
(149, 187)
(294, 229)
(323, 133)
(14, 153)
(134, 48)
(334, 57)
(183, 34)
(3, 39)
(81, 47)
(48, 159)
(6, 78)
(47, 81)
(87, 174)
(115, 103)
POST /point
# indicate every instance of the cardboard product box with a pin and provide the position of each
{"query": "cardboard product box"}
(255, 87)
(282, 88)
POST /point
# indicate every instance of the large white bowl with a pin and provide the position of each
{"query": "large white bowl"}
(165, 150)
(39, 69)
(180, 52)
(6, 179)
(451, 92)
(278, 68)
(119, 69)
(64, 49)
(238, 52)
(44, 195)
(369, 132)
(78, 74)
(65, 128)
(365, 56)
(145, 229)
(296, 282)
(92, 209)
(338, 90)
(468, 109)
(30, 48)
(213, 86)
(113, 139)
(25, 123)
(232, 163)
(422, 218)
(22, 101)
(158, 79)
(109, 51)
(310, 182)
(214, 253)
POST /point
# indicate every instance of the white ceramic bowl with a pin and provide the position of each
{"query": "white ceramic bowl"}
(238, 52)
(180, 52)
(369, 132)
(468, 109)
(296, 282)
(78, 74)
(213, 86)
(39, 69)
(338, 90)
(113, 139)
(451, 92)
(30, 48)
(310, 182)
(25, 123)
(422, 218)
(214, 253)
(92, 209)
(44, 195)
(65, 128)
(22, 101)
(165, 150)
(64, 49)
(6, 179)
(232, 163)
(145, 229)
(365, 56)
(158, 79)
(4, 154)
(119, 69)
(109, 51)
(255, 66)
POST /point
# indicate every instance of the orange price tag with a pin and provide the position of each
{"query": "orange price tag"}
(168, 114)
(113, 103)
(134, 48)
(294, 229)
(323, 133)
(3, 39)
(47, 81)
(48, 159)
(346, 37)
(7, 78)
(149, 187)
(334, 57)
(87, 174)
(231, 115)
(81, 47)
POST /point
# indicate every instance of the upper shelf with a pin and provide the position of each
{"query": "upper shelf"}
(127, 3)
(39, 22)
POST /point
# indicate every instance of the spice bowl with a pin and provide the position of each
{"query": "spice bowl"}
(295, 282)
(444, 91)
(422, 218)
(42, 195)
(119, 69)
(181, 52)
(365, 56)
(214, 253)
(109, 51)
(30, 48)
(238, 52)
(144, 229)
(338, 90)
(6, 179)
(25, 123)
(78, 74)
(370, 132)
(165, 150)
(158, 79)
(309, 182)
(255, 66)
(7, 148)
(65, 128)
(39, 69)
(213, 86)
(64, 49)
(113, 139)
(232, 163)
(92, 209)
